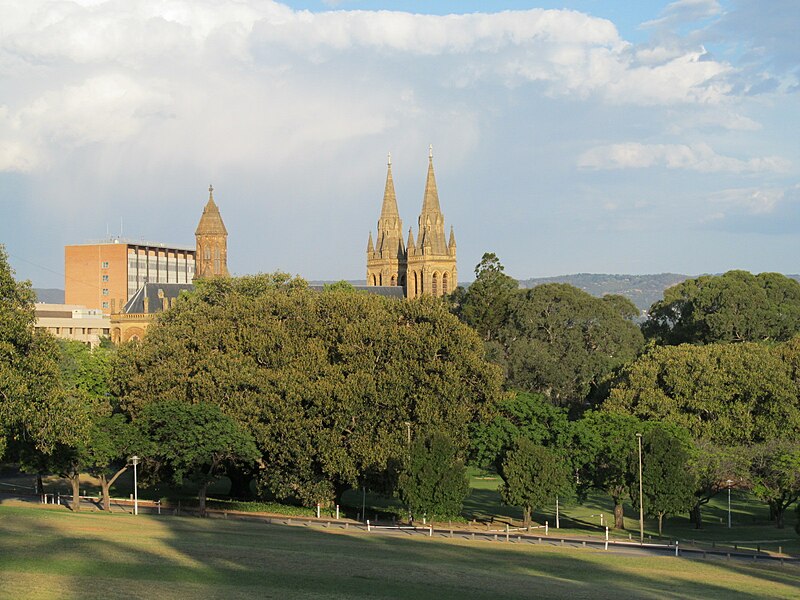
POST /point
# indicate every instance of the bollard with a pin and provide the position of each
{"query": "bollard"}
(583, 543)
(506, 531)
(546, 528)
(676, 547)
(368, 529)
(288, 521)
(473, 536)
(728, 556)
(318, 511)
(606, 546)
(495, 537)
(519, 538)
(430, 531)
(347, 525)
(337, 512)
(159, 507)
(780, 549)
(451, 533)
(630, 537)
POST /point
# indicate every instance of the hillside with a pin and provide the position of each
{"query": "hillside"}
(642, 290)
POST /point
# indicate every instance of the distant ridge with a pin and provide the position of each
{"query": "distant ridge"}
(49, 295)
(642, 290)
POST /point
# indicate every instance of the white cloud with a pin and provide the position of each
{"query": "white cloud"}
(755, 200)
(695, 157)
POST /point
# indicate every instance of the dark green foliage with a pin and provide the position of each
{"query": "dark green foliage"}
(324, 381)
(34, 408)
(192, 441)
(485, 305)
(775, 475)
(606, 448)
(531, 416)
(434, 482)
(729, 394)
(668, 484)
(564, 343)
(532, 476)
(735, 307)
(713, 465)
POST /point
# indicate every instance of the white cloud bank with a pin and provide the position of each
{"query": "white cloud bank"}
(694, 157)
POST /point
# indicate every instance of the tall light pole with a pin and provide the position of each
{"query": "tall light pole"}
(641, 501)
(729, 482)
(408, 432)
(135, 461)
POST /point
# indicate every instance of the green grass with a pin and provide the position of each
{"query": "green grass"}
(46, 553)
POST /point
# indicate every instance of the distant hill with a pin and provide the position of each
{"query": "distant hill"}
(49, 295)
(642, 290)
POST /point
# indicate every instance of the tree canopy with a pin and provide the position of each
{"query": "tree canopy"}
(34, 407)
(734, 307)
(730, 394)
(324, 381)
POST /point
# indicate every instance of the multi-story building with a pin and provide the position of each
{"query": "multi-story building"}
(72, 322)
(105, 275)
(427, 267)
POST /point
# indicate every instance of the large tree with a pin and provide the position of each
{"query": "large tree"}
(729, 394)
(34, 407)
(606, 447)
(193, 442)
(775, 475)
(565, 343)
(667, 483)
(713, 466)
(532, 476)
(735, 307)
(434, 481)
(325, 382)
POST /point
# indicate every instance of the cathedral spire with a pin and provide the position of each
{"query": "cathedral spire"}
(211, 237)
(370, 245)
(410, 245)
(389, 208)
(430, 202)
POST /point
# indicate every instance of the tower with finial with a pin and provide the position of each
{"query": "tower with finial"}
(425, 267)
(432, 260)
(212, 242)
(386, 258)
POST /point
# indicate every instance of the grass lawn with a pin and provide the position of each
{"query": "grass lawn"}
(47, 553)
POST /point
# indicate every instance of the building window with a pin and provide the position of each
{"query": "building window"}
(105, 277)
(105, 291)
(104, 264)
(105, 304)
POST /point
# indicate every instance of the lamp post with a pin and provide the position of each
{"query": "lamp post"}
(408, 432)
(135, 461)
(729, 482)
(641, 502)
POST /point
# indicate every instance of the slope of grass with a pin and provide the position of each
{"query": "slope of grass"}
(54, 553)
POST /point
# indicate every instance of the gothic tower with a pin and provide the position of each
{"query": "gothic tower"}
(212, 242)
(386, 259)
(432, 260)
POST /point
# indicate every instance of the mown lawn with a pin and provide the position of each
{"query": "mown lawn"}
(48, 553)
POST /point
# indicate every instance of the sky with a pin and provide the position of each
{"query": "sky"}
(568, 137)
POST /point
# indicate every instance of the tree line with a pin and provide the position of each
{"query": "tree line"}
(304, 395)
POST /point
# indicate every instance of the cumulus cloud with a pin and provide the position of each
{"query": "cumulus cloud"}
(755, 200)
(695, 157)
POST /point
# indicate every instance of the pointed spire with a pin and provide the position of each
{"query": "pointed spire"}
(410, 244)
(370, 245)
(389, 208)
(452, 242)
(211, 220)
(430, 203)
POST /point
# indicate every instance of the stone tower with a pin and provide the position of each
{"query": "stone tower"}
(427, 267)
(212, 242)
(432, 260)
(386, 260)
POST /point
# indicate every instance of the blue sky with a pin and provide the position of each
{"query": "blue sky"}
(586, 136)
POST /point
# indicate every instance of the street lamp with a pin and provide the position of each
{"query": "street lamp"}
(729, 482)
(641, 502)
(135, 461)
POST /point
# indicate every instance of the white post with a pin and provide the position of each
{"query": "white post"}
(368, 529)
(546, 529)
(558, 526)
(606, 537)
(641, 499)
(676, 547)
(318, 510)
(135, 461)
(430, 530)
(601, 520)
(337, 512)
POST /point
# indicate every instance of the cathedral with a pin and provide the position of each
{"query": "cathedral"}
(424, 268)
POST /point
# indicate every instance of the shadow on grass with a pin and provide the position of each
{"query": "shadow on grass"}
(95, 555)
